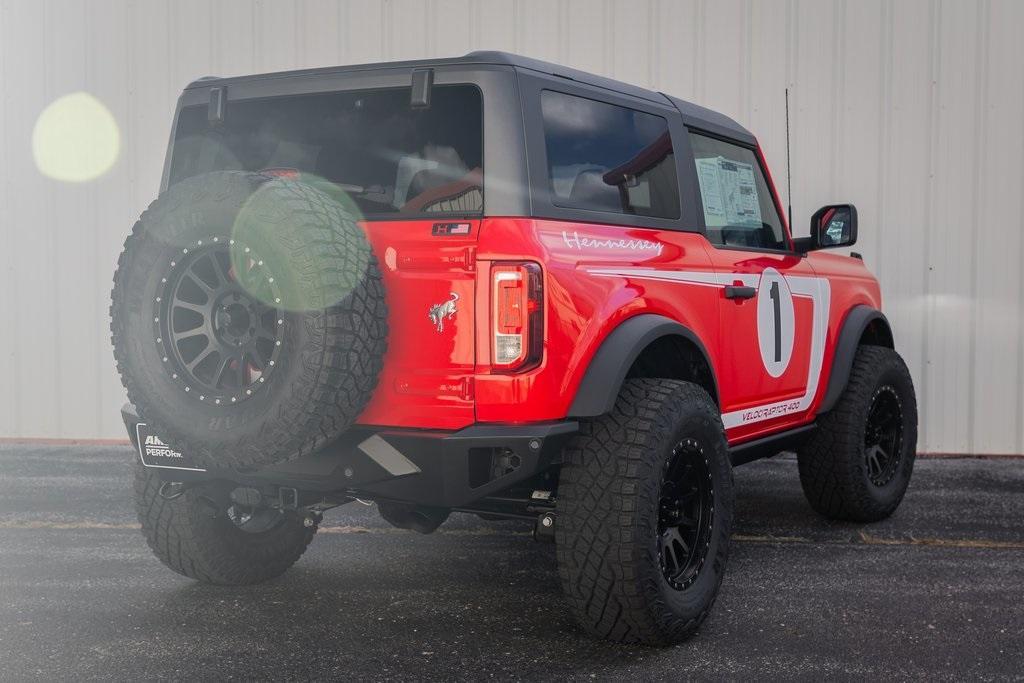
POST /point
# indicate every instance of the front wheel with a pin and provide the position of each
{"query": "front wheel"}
(645, 504)
(200, 533)
(857, 464)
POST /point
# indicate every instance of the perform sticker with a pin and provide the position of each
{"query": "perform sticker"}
(728, 191)
(155, 453)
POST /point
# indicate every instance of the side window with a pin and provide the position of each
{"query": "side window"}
(602, 157)
(738, 208)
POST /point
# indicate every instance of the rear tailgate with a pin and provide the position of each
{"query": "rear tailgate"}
(430, 283)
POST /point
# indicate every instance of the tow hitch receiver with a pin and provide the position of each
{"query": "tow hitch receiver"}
(288, 498)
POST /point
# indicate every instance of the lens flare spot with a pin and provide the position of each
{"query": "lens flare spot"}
(75, 139)
(277, 265)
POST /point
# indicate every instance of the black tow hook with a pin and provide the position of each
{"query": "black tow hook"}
(544, 530)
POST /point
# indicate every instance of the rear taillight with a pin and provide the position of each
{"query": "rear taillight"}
(517, 316)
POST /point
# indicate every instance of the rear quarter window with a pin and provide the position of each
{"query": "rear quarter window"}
(604, 157)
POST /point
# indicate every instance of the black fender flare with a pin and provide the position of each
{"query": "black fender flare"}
(600, 386)
(858, 320)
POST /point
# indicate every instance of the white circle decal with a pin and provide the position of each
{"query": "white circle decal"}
(775, 322)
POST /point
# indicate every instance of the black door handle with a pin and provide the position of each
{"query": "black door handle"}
(739, 292)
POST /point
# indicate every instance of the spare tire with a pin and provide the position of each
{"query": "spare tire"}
(248, 317)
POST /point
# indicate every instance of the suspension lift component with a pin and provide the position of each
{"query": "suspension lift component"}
(545, 527)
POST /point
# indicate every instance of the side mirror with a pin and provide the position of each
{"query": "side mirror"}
(834, 225)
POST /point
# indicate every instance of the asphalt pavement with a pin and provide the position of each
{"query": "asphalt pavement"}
(936, 592)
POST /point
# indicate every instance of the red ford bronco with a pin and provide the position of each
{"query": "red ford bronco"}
(493, 285)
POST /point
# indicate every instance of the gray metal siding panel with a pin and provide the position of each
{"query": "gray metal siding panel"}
(910, 109)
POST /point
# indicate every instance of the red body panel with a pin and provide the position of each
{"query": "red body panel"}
(427, 380)
(584, 303)
(595, 277)
(743, 380)
(771, 353)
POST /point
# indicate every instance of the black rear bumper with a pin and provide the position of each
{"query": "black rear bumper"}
(435, 468)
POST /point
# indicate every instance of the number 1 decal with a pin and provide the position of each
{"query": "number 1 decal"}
(776, 323)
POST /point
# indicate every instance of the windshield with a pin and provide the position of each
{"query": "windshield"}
(392, 160)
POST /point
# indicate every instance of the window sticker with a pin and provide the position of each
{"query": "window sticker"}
(728, 192)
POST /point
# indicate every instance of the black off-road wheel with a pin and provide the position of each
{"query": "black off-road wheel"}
(857, 465)
(200, 533)
(248, 318)
(645, 504)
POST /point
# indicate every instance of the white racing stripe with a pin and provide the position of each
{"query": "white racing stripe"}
(816, 289)
(693, 277)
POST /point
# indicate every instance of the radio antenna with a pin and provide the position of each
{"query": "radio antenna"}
(789, 174)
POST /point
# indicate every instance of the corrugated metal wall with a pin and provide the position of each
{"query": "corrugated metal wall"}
(913, 110)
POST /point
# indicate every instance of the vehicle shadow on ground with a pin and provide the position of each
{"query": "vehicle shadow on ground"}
(468, 601)
(459, 605)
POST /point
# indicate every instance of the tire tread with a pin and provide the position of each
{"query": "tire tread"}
(185, 538)
(831, 461)
(608, 573)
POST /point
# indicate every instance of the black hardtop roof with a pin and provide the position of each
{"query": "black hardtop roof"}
(693, 113)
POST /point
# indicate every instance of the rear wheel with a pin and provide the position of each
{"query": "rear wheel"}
(200, 533)
(644, 513)
(857, 464)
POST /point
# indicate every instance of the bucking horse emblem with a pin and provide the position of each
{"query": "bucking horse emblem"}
(446, 310)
